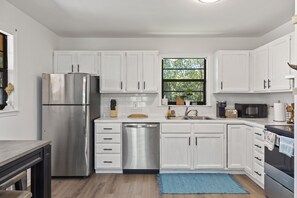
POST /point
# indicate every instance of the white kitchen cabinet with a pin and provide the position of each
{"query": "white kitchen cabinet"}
(279, 56)
(133, 71)
(112, 69)
(176, 151)
(236, 146)
(261, 65)
(232, 70)
(76, 61)
(209, 151)
(249, 149)
(270, 66)
(149, 71)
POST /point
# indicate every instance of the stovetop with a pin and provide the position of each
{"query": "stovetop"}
(284, 130)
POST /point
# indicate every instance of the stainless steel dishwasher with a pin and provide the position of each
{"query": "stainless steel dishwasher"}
(141, 147)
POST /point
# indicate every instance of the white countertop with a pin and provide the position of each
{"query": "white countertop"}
(260, 122)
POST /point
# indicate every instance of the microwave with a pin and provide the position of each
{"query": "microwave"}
(252, 110)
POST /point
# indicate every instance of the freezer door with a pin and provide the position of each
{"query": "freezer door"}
(65, 88)
(68, 129)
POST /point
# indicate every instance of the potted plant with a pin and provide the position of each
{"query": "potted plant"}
(187, 96)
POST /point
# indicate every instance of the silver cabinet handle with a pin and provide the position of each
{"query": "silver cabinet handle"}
(107, 162)
(256, 145)
(196, 141)
(143, 84)
(259, 134)
(257, 173)
(264, 84)
(72, 68)
(221, 85)
(107, 128)
(107, 138)
(269, 81)
(189, 141)
(107, 149)
(121, 84)
(258, 159)
(138, 85)
(78, 68)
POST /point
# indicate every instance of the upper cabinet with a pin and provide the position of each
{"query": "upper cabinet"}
(270, 66)
(76, 61)
(232, 74)
(129, 72)
(112, 71)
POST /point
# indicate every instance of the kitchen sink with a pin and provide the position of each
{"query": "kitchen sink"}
(190, 118)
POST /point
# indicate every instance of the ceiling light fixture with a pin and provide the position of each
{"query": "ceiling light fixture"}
(209, 1)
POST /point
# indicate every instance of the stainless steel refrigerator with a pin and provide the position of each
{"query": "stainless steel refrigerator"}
(70, 103)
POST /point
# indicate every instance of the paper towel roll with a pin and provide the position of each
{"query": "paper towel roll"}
(279, 112)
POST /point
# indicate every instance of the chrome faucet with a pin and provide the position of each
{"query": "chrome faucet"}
(188, 111)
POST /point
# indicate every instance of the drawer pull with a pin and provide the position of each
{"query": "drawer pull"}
(107, 162)
(107, 138)
(258, 173)
(259, 134)
(107, 149)
(107, 128)
(256, 145)
(258, 159)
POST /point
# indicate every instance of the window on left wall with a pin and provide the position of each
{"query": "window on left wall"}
(3, 69)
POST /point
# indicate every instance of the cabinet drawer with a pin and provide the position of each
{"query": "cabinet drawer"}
(209, 128)
(108, 148)
(176, 128)
(108, 128)
(259, 172)
(108, 161)
(259, 146)
(259, 158)
(108, 138)
(259, 134)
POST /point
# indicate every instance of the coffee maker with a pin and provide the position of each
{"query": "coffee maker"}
(221, 105)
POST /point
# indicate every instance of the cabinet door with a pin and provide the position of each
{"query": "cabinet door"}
(64, 62)
(133, 71)
(112, 65)
(234, 71)
(150, 61)
(261, 63)
(249, 149)
(279, 53)
(209, 151)
(176, 151)
(87, 62)
(236, 146)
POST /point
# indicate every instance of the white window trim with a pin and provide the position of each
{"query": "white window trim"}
(208, 76)
(12, 71)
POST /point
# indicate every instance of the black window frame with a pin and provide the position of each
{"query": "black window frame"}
(186, 80)
(4, 70)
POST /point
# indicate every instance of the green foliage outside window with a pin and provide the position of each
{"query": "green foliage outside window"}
(184, 77)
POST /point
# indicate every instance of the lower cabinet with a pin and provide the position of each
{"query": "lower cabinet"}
(193, 146)
(236, 146)
(176, 151)
(209, 151)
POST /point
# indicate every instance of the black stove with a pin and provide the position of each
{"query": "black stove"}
(283, 130)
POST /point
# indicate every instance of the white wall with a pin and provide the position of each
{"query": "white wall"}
(35, 45)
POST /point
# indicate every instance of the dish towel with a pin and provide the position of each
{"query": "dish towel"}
(286, 146)
(269, 140)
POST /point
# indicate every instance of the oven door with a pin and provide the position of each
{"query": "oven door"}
(280, 167)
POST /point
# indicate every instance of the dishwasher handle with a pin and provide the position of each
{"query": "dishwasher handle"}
(141, 125)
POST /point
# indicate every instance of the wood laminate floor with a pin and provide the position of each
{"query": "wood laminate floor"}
(133, 186)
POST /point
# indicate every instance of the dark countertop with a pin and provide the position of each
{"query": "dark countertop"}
(283, 130)
(11, 150)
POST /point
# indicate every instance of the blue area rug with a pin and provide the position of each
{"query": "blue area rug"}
(199, 183)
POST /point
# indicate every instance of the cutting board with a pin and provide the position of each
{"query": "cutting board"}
(137, 116)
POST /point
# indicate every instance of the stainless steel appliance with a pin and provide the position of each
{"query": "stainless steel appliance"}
(141, 147)
(221, 109)
(70, 103)
(278, 167)
(252, 110)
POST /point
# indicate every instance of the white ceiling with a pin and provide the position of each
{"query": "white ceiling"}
(158, 18)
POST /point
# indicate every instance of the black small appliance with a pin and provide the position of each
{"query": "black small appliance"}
(221, 105)
(252, 110)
